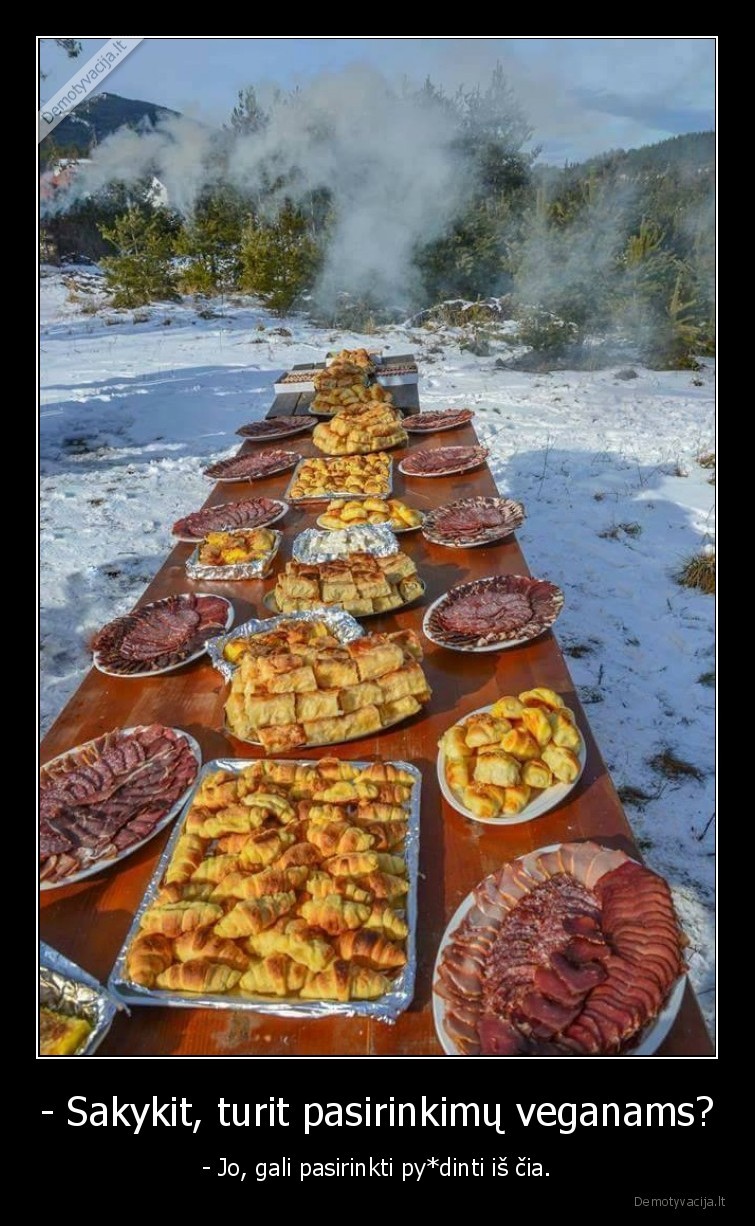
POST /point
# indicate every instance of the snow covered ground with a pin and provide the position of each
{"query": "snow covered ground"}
(134, 404)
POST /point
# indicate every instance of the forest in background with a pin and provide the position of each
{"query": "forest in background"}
(622, 244)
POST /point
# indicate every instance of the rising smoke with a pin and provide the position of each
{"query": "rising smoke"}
(388, 160)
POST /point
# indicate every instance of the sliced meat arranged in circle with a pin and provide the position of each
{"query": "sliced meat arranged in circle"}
(246, 513)
(473, 521)
(442, 419)
(160, 635)
(275, 427)
(442, 461)
(249, 467)
(495, 610)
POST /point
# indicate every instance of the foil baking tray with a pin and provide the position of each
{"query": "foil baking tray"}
(343, 626)
(322, 545)
(257, 569)
(328, 495)
(386, 1008)
(68, 989)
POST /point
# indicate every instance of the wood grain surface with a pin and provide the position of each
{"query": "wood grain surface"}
(88, 921)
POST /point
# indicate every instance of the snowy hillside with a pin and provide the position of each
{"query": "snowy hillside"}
(135, 403)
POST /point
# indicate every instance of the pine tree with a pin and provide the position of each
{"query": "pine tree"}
(210, 240)
(248, 115)
(142, 270)
(280, 258)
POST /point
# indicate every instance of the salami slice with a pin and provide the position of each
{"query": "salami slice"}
(275, 427)
(443, 419)
(159, 636)
(500, 610)
(442, 461)
(473, 521)
(252, 467)
(246, 513)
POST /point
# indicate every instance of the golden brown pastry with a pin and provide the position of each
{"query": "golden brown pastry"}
(176, 917)
(536, 721)
(298, 855)
(541, 697)
(60, 1034)
(385, 885)
(344, 981)
(187, 855)
(497, 767)
(336, 838)
(563, 763)
(264, 847)
(484, 729)
(386, 835)
(353, 865)
(334, 914)
(515, 799)
(483, 799)
(565, 732)
(148, 954)
(188, 890)
(536, 774)
(254, 914)
(521, 744)
(368, 947)
(320, 885)
(215, 868)
(507, 707)
(383, 918)
(205, 944)
(293, 936)
(275, 975)
(199, 975)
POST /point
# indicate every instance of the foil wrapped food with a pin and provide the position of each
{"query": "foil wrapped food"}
(341, 624)
(68, 989)
(319, 545)
(257, 569)
(386, 1008)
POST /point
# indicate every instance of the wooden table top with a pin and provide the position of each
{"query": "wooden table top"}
(89, 920)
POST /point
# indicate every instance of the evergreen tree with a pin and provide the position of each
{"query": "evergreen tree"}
(248, 115)
(142, 269)
(280, 258)
(210, 239)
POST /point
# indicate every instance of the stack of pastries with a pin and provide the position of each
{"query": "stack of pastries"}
(337, 389)
(359, 582)
(287, 881)
(497, 761)
(358, 475)
(359, 429)
(288, 636)
(361, 358)
(314, 695)
(342, 513)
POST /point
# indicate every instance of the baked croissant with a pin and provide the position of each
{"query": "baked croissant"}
(203, 943)
(345, 981)
(264, 847)
(183, 892)
(334, 768)
(369, 948)
(294, 937)
(319, 885)
(565, 733)
(385, 885)
(187, 855)
(257, 885)
(507, 707)
(541, 697)
(386, 835)
(395, 865)
(199, 975)
(173, 918)
(386, 772)
(231, 844)
(215, 868)
(391, 793)
(563, 763)
(382, 917)
(268, 804)
(346, 793)
(334, 914)
(235, 819)
(298, 855)
(369, 811)
(537, 774)
(148, 955)
(254, 914)
(217, 790)
(338, 838)
(275, 975)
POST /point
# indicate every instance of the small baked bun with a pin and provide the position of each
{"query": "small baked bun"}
(521, 744)
(537, 774)
(563, 763)
(535, 720)
(541, 697)
(565, 734)
(507, 707)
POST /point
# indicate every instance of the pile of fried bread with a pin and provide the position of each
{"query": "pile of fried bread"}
(360, 582)
(320, 695)
(359, 429)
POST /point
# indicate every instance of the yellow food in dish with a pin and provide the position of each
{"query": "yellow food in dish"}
(227, 548)
(319, 477)
(341, 513)
(61, 1035)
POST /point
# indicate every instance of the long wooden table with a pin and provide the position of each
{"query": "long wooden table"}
(89, 920)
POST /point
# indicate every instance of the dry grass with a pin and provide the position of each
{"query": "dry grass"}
(612, 533)
(707, 459)
(630, 795)
(666, 763)
(699, 572)
(708, 679)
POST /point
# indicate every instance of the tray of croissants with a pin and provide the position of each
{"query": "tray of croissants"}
(287, 887)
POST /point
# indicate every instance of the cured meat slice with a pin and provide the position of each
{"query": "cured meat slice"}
(496, 610)
(158, 636)
(251, 467)
(578, 960)
(246, 513)
(274, 427)
(442, 461)
(149, 770)
(442, 419)
(473, 521)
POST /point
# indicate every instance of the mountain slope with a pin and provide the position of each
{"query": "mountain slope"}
(95, 118)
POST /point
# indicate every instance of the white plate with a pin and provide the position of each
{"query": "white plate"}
(270, 603)
(156, 672)
(654, 1034)
(487, 647)
(363, 524)
(420, 430)
(196, 540)
(271, 472)
(102, 865)
(447, 472)
(545, 800)
(288, 432)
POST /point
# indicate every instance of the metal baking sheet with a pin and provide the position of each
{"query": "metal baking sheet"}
(68, 989)
(343, 626)
(322, 545)
(330, 494)
(258, 569)
(386, 1008)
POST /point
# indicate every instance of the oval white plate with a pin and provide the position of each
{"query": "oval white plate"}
(270, 472)
(488, 646)
(196, 540)
(102, 865)
(288, 432)
(386, 522)
(156, 672)
(654, 1034)
(447, 472)
(456, 425)
(545, 800)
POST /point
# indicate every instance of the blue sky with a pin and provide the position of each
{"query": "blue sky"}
(582, 95)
